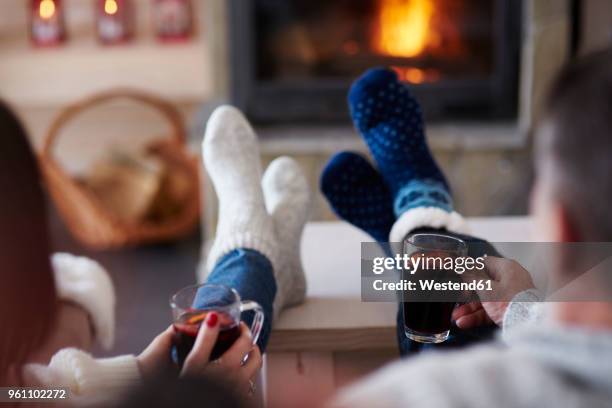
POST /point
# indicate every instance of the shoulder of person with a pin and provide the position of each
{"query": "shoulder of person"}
(480, 376)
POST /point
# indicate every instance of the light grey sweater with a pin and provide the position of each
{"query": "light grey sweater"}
(534, 365)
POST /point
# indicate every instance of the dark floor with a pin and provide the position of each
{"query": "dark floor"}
(144, 279)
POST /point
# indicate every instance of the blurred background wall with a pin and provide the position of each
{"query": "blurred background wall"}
(487, 162)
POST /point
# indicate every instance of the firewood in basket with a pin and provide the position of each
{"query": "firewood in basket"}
(126, 184)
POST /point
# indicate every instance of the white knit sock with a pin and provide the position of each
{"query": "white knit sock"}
(288, 200)
(231, 157)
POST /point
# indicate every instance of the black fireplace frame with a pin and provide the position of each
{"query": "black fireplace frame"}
(324, 101)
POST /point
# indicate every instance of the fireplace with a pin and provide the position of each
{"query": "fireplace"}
(293, 60)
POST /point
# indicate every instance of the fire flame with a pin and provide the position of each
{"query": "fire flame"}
(110, 7)
(417, 75)
(46, 9)
(403, 27)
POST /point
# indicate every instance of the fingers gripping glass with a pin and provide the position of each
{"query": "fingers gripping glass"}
(191, 305)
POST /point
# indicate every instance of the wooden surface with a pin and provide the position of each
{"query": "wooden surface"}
(333, 316)
(353, 339)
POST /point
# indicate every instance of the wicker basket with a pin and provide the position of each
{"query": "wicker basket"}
(88, 220)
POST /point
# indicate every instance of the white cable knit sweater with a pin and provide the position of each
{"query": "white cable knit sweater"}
(542, 366)
(86, 283)
(535, 364)
(90, 380)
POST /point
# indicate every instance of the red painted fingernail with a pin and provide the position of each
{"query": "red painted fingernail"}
(211, 319)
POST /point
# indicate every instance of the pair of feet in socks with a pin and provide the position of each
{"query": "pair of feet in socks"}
(267, 213)
(407, 190)
(264, 213)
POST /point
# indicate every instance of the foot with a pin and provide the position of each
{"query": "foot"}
(231, 158)
(288, 201)
(358, 194)
(390, 121)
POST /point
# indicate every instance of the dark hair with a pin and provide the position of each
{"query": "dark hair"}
(579, 143)
(28, 300)
(191, 392)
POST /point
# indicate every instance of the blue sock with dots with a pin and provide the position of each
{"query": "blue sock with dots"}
(358, 194)
(390, 120)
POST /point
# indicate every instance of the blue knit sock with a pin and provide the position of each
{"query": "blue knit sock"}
(357, 193)
(390, 121)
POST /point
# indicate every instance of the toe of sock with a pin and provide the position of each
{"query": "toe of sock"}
(227, 126)
(357, 193)
(224, 113)
(379, 97)
(284, 173)
(338, 168)
(373, 80)
(286, 190)
(230, 150)
(348, 172)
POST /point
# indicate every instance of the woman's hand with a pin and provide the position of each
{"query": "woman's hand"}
(230, 365)
(156, 357)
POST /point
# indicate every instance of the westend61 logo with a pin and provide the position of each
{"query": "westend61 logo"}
(413, 263)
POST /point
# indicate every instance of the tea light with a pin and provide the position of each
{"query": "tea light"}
(47, 22)
(114, 21)
(173, 19)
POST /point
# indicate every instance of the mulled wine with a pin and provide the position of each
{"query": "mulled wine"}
(191, 305)
(427, 319)
(186, 330)
(430, 317)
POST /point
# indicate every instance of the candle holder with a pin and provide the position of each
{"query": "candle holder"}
(47, 26)
(173, 19)
(114, 21)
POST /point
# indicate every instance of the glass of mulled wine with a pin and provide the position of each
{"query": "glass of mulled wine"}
(427, 317)
(190, 306)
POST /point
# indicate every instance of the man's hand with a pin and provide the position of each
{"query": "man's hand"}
(508, 278)
(471, 315)
(475, 314)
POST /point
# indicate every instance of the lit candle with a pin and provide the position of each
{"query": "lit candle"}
(47, 22)
(114, 21)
